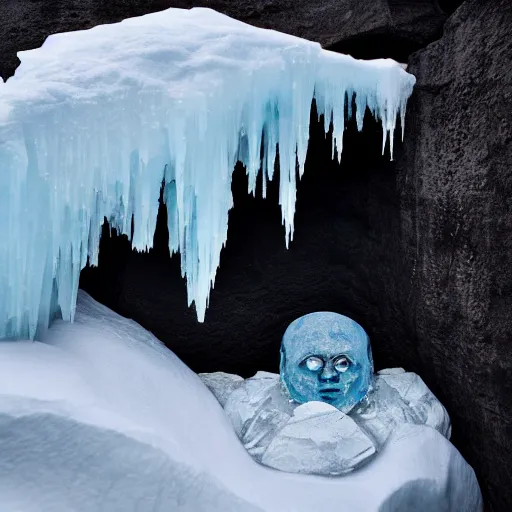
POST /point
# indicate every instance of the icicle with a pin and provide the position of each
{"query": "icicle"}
(179, 95)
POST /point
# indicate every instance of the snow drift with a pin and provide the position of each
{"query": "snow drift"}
(100, 416)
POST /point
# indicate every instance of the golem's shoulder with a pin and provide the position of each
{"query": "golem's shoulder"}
(415, 392)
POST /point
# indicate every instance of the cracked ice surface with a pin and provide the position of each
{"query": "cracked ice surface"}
(94, 121)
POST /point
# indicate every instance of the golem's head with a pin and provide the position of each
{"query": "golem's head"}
(326, 357)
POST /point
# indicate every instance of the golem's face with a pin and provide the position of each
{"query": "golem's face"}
(326, 357)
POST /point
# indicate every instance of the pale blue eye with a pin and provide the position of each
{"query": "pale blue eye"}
(314, 363)
(341, 364)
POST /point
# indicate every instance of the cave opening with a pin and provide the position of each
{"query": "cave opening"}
(344, 258)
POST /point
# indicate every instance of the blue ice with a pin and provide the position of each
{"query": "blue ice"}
(326, 357)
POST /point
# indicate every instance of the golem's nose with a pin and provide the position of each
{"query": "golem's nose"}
(329, 374)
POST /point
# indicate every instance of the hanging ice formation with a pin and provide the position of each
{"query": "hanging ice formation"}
(94, 121)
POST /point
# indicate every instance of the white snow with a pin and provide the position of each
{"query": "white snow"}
(94, 121)
(100, 417)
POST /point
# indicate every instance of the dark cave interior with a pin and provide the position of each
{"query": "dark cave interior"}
(344, 225)
(346, 257)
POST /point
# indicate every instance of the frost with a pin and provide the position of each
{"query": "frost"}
(95, 121)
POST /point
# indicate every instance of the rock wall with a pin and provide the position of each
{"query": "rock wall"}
(455, 180)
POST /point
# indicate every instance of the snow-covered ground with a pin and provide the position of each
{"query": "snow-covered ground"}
(100, 416)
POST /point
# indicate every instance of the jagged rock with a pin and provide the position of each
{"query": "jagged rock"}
(371, 28)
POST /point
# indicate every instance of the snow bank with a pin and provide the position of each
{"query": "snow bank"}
(94, 121)
(102, 417)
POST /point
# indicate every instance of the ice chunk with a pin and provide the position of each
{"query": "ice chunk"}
(258, 410)
(319, 439)
(95, 121)
(391, 371)
(101, 416)
(221, 384)
(261, 413)
(398, 398)
(418, 396)
(383, 412)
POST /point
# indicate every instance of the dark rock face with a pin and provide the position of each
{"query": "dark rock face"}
(364, 28)
(456, 210)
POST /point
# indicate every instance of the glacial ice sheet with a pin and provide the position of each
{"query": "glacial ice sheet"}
(94, 122)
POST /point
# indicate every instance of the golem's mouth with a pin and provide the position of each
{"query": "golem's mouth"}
(329, 390)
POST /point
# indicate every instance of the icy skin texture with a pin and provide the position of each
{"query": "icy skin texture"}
(94, 121)
(326, 357)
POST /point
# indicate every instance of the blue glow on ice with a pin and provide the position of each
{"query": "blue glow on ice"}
(93, 121)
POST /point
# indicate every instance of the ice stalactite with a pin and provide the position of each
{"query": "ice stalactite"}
(94, 121)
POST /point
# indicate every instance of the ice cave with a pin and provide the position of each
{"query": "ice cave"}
(211, 216)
